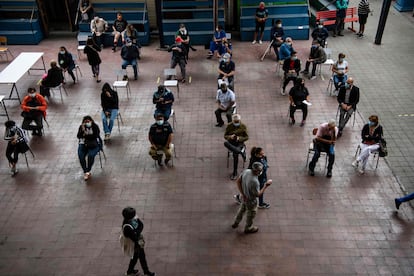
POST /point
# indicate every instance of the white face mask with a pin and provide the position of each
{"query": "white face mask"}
(32, 95)
(88, 124)
(279, 25)
(62, 52)
(160, 122)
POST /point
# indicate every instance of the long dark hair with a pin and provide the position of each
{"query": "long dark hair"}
(106, 87)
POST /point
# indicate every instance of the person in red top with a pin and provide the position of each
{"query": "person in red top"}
(34, 108)
(291, 69)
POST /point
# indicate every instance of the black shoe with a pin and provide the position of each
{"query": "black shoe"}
(305, 72)
(397, 203)
(292, 122)
(340, 34)
(339, 134)
(311, 172)
(159, 160)
(234, 225)
(149, 273)
(233, 176)
(133, 272)
(125, 78)
(219, 124)
(334, 35)
(136, 77)
(329, 174)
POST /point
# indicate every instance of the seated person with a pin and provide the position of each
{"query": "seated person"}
(53, 78)
(118, 28)
(291, 69)
(227, 47)
(132, 34)
(66, 62)
(340, 70)
(130, 54)
(316, 56)
(89, 145)
(276, 36)
(297, 94)
(286, 49)
(320, 33)
(34, 110)
(160, 137)
(226, 102)
(226, 70)
(98, 28)
(324, 142)
(17, 143)
(163, 99)
(86, 10)
(348, 98)
(110, 108)
(236, 135)
(371, 136)
(216, 43)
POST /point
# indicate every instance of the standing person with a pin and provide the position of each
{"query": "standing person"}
(132, 228)
(179, 54)
(17, 143)
(291, 69)
(110, 109)
(320, 33)
(235, 136)
(277, 35)
(258, 155)
(92, 52)
(160, 136)
(400, 200)
(89, 145)
(261, 15)
(249, 187)
(53, 78)
(363, 11)
(324, 142)
(132, 34)
(317, 56)
(341, 6)
(118, 28)
(348, 98)
(226, 69)
(34, 108)
(163, 99)
(86, 10)
(183, 33)
(130, 54)
(298, 98)
(98, 28)
(371, 136)
(216, 42)
(66, 62)
(226, 102)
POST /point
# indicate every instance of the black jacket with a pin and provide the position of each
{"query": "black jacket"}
(353, 97)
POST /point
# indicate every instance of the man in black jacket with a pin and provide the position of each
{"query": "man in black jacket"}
(348, 98)
(130, 54)
(179, 54)
(132, 228)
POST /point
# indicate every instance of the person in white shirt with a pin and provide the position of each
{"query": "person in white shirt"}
(226, 101)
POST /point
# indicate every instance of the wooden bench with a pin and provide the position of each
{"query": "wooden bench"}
(329, 17)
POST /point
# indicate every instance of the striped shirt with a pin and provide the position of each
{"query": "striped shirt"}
(363, 7)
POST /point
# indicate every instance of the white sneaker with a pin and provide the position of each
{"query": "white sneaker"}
(254, 42)
(361, 171)
(355, 164)
(260, 42)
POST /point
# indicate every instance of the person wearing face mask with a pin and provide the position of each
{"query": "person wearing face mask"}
(276, 35)
(340, 71)
(130, 54)
(34, 108)
(17, 143)
(249, 187)
(235, 136)
(320, 33)
(92, 53)
(216, 42)
(132, 34)
(371, 136)
(89, 145)
(348, 98)
(261, 15)
(183, 33)
(110, 108)
(226, 69)
(163, 99)
(179, 54)
(258, 155)
(66, 62)
(132, 228)
(286, 49)
(317, 56)
(297, 95)
(160, 136)
(291, 69)
(226, 103)
(324, 142)
(53, 78)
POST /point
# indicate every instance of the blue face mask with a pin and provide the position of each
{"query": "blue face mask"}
(236, 124)
(160, 122)
(347, 86)
(371, 123)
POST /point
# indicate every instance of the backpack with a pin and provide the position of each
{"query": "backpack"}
(127, 245)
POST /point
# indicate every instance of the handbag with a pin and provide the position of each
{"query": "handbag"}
(90, 144)
(22, 147)
(383, 151)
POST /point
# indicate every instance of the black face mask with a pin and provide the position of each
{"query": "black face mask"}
(224, 90)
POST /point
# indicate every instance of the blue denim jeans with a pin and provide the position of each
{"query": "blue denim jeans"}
(166, 112)
(132, 62)
(406, 198)
(107, 126)
(339, 81)
(83, 151)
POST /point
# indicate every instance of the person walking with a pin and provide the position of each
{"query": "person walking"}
(110, 109)
(249, 187)
(92, 52)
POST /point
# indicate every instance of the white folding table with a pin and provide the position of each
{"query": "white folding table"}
(17, 68)
(5, 109)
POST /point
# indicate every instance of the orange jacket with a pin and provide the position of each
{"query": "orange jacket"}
(40, 99)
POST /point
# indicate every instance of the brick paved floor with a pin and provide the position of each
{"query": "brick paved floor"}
(53, 223)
